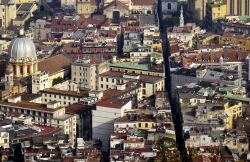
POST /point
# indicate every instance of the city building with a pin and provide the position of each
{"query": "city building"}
(238, 7)
(86, 7)
(103, 118)
(68, 4)
(150, 84)
(116, 9)
(56, 66)
(85, 72)
(142, 7)
(50, 114)
(198, 8)
(40, 81)
(232, 111)
(22, 56)
(42, 29)
(83, 119)
(235, 40)
(215, 10)
(65, 98)
(8, 12)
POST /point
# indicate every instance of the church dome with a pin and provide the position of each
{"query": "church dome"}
(22, 48)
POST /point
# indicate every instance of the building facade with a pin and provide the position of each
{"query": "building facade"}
(85, 73)
(7, 12)
(238, 7)
(22, 56)
(232, 111)
(103, 118)
(51, 114)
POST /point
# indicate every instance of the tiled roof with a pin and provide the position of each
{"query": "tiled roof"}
(118, 4)
(55, 64)
(143, 2)
(115, 103)
(77, 107)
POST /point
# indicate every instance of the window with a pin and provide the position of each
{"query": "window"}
(113, 80)
(107, 86)
(146, 125)
(101, 85)
(107, 79)
(139, 125)
(101, 78)
(169, 6)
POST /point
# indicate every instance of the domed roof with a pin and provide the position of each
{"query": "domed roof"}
(22, 48)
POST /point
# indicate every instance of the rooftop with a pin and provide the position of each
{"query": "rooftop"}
(29, 105)
(130, 65)
(144, 78)
(77, 107)
(63, 93)
(117, 103)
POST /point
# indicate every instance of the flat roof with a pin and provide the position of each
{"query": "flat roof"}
(144, 78)
(129, 65)
(64, 93)
(236, 97)
(30, 105)
(115, 103)
(63, 117)
(78, 107)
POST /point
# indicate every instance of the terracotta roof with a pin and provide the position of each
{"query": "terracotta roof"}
(77, 107)
(115, 103)
(201, 158)
(143, 2)
(118, 4)
(55, 64)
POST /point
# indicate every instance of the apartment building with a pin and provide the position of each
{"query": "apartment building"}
(7, 12)
(103, 118)
(232, 110)
(40, 81)
(84, 72)
(238, 7)
(86, 7)
(150, 84)
(50, 114)
(65, 98)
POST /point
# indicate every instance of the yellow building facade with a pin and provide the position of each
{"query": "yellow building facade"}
(231, 111)
(218, 11)
(7, 13)
(241, 41)
(145, 125)
(85, 7)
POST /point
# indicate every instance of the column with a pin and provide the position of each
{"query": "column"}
(31, 69)
(25, 70)
(17, 71)
(35, 67)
